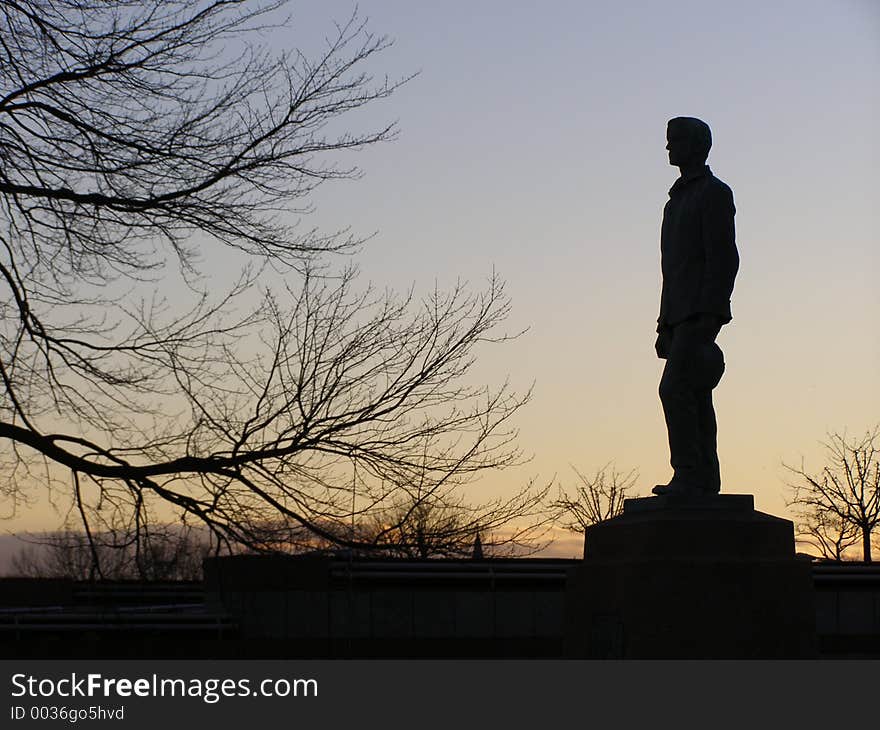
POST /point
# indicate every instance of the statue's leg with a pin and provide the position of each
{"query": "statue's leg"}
(711, 366)
(708, 369)
(709, 466)
(681, 408)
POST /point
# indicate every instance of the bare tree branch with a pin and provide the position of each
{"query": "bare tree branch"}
(596, 499)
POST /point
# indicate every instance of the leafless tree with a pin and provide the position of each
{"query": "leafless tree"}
(165, 554)
(839, 506)
(597, 498)
(826, 533)
(432, 525)
(138, 139)
(428, 520)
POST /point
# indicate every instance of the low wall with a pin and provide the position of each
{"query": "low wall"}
(304, 606)
(848, 609)
(323, 606)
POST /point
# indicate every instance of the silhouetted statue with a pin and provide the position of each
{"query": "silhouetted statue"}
(699, 264)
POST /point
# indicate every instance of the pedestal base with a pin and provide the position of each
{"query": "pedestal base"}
(691, 578)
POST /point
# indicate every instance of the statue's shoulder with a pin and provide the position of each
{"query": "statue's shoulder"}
(715, 182)
(717, 189)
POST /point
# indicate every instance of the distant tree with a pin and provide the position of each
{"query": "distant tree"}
(430, 522)
(826, 533)
(445, 525)
(172, 553)
(597, 498)
(139, 139)
(839, 506)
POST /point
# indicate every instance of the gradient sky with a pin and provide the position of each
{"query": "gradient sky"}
(532, 142)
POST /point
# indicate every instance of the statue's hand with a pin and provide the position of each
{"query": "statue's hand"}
(662, 344)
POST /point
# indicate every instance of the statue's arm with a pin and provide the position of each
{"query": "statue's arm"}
(721, 256)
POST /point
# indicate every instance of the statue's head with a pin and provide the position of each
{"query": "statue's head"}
(688, 140)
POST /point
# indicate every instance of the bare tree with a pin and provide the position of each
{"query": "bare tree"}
(136, 138)
(165, 554)
(445, 525)
(840, 506)
(428, 520)
(597, 498)
(826, 533)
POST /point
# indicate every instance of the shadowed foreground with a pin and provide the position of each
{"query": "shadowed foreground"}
(302, 607)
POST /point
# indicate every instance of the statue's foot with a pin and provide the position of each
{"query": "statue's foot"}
(677, 488)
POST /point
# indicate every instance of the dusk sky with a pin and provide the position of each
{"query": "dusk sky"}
(532, 142)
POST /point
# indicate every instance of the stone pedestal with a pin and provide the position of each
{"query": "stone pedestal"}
(691, 578)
